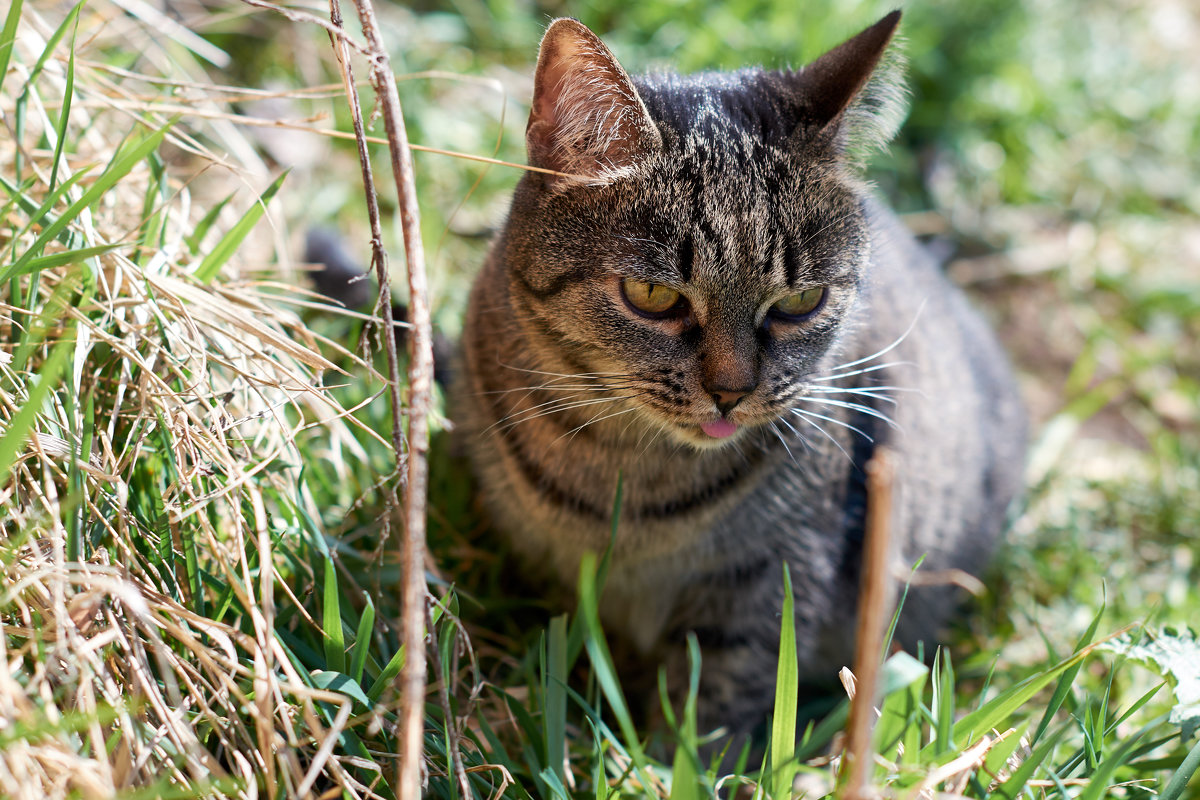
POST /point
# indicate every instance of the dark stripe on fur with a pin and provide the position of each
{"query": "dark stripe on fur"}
(555, 285)
(556, 494)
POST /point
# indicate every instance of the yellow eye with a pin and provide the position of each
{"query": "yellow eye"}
(801, 304)
(649, 298)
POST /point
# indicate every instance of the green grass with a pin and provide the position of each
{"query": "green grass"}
(197, 593)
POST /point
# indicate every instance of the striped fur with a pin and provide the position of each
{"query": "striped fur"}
(734, 190)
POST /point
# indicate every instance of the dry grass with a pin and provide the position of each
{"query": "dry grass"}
(152, 505)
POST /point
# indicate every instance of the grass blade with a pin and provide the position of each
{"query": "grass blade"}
(17, 431)
(554, 693)
(1068, 678)
(63, 259)
(787, 689)
(578, 631)
(395, 664)
(1099, 785)
(8, 36)
(943, 700)
(216, 258)
(362, 640)
(1012, 788)
(1003, 705)
(331, 622)
(602, 666)
(685, 775)
(1179, 781)
(60, 130)
(198, 233)
(123, 161)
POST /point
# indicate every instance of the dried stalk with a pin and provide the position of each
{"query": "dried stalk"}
(874, 604)
(420, 385)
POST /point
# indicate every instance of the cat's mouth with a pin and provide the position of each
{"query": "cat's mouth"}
(713, 434)
(719, 428)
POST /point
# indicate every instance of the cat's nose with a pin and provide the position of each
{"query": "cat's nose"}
(726, 399)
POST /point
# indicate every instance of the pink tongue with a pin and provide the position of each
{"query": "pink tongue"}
(719, 429)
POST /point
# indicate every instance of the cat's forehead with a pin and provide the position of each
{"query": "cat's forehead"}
(725, 107)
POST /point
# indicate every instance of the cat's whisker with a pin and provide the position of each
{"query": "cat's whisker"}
(783, 441)
(803, 415)
(890, 347)
(803, 439)
(578, 387)
(827, 226)
(568, 374)
(552, 401)
(638, 448)
(874, 392)
(512, 420)
(514, 423)
(835, 389)
(875, 368)
(859, 393)
(854, 407)
(594, 382)
(792, 428)
(629, 424)
(571, 433)
(564, 404)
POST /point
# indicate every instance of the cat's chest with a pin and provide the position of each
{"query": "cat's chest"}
(559, 496)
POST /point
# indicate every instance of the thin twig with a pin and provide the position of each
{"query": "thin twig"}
(874, 602)
(412, 678)
(334, 30)
(420, 386)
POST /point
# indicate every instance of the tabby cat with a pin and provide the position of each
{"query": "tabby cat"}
(701, 296)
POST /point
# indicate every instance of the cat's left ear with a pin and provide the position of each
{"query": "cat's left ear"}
(587, 118)
(853, 97)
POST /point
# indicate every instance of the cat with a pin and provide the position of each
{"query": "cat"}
(698, 293)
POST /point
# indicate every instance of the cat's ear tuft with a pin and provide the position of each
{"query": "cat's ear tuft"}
(854, 96)
(587, 118)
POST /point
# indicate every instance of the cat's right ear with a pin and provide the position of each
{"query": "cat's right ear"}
(587, 118)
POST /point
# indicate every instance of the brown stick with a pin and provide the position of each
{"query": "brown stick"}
(874, 604)
(420, 387)
(420, 384)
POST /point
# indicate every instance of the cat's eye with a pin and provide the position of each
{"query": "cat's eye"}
(652, 299)
(797, 306)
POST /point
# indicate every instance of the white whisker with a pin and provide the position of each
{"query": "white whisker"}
(571, 433)
(864, 370)
(545, 387)
(876, 392)
(890, 347)
(824, 433)
(568, 374)
(525, 415)
(835, 421)
(853, 406)
(783, 441)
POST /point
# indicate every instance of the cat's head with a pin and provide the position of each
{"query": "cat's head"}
(704, 237)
